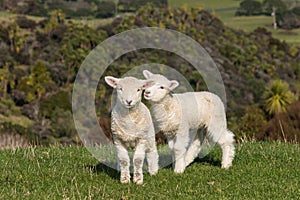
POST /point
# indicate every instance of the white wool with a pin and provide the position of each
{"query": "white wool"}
(132, 127)
(179, 115)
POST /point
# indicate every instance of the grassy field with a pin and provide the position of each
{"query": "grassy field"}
(247, 24)
(207, 4)
(260, 171)
(9, 17)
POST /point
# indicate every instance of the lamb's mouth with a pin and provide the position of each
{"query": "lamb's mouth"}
(129, 106)
(147, 96)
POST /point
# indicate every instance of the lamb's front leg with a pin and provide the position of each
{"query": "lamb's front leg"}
(124, 163)
(180, 146)
(138, 161)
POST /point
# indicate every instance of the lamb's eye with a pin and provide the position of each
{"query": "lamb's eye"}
(120, 89)
(162, 87)
(138, 90)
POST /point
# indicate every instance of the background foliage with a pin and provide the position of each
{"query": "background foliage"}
(39, 60)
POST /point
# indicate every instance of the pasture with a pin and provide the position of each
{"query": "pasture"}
(261, 170)
(225, 10)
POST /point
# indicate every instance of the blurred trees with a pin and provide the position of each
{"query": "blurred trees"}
(77, 8)
(39, 63)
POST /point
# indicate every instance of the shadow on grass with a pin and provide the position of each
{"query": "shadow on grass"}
(115, 174)
(166, 163)
(209, 160)
(102, 168)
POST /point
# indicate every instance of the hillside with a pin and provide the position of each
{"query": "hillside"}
(39, 62)
(260, 171)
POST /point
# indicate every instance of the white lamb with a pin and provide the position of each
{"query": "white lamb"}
(132, 127)
(179, 116)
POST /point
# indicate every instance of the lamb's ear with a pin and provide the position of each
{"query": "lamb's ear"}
(147, 74)
(173, 84)
(111, 81)
(147, 84)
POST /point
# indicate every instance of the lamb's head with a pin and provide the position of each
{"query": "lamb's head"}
(129, 89)
(160, 89)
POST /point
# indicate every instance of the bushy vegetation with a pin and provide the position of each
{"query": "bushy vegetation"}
(39, 62)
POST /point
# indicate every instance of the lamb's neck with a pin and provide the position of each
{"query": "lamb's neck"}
(167, 100)
(166, 114)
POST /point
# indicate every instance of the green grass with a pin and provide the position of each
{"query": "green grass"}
(260, 171)
(247, 24)
(207, 4)
(6, 17)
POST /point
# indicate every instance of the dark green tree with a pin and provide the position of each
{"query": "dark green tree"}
(270, 5)
(249, 7)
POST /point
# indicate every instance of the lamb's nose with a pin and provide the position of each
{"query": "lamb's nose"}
(129, 102)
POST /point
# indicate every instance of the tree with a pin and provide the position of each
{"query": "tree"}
(16, 38)
(249, 7)
(277, 97)
(289, 20)
(56, 17)
(35, 85)
(268, 6)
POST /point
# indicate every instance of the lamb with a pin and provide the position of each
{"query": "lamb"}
(132, 127)
(179, 116)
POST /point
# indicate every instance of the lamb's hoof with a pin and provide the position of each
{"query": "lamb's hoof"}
(138, 182)
(152, 173)
(226, 165)
(125, 179)
(179, 171)
(138, 178)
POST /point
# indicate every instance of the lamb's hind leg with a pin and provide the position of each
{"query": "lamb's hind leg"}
(152, 159)
(226, 143)
(138, 161)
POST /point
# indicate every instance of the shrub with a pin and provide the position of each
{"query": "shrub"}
(7, 107)
(296, 11)
(251, 124)
(285, 126)
(105, 9)
(61, 99)
(62, 123)
(24, 22)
